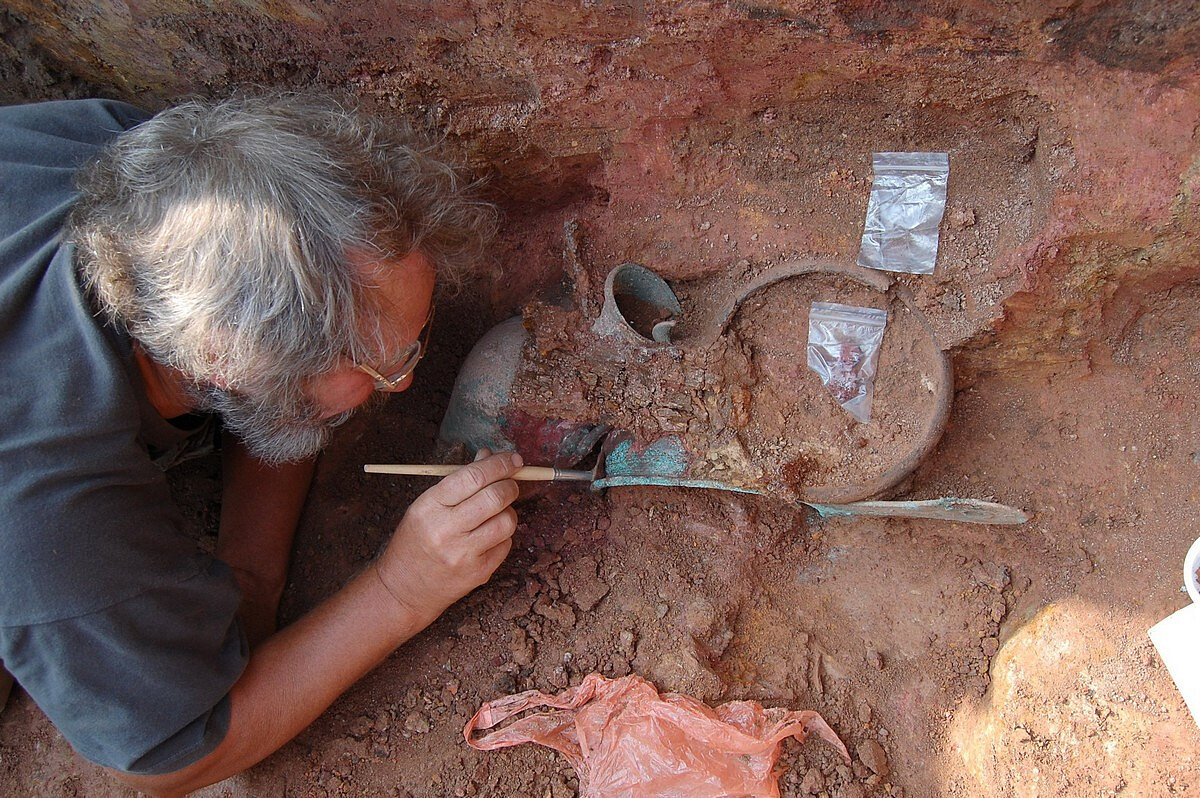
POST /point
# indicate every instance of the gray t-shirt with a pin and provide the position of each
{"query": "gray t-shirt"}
(110, 618)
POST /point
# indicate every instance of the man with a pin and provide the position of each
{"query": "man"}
(271, 261)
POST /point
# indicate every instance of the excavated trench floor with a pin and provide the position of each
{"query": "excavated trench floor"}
(984, 660)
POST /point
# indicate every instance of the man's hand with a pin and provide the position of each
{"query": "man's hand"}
(453, 536)
(449, 542)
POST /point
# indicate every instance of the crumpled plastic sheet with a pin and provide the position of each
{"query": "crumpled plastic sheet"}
(904, 211)
(624, 740)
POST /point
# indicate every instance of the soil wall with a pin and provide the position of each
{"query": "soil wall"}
(690, 136)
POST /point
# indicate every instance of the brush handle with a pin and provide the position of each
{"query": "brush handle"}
(523, 474)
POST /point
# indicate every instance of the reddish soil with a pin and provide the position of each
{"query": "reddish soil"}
(740, 394)
(954, 660)
(981, 660)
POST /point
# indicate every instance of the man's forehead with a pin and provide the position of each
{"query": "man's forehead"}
(403, 287)
(377, 269)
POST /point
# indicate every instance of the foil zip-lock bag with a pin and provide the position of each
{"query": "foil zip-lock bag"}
(908, 199)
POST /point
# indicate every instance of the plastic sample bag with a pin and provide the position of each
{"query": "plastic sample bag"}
(843, 347)
(624, 740)
(908, 198)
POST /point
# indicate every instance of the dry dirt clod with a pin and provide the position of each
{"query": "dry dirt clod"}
(561, 614)
(516, 606)
(521, 648)
(990, 575)
(469, 629)
(416, 723)
(998, 610)
(963, 218)
(628, 642)
(360, 727)
(580, 581)
(505, 683)
(873, 756)
(813, 782)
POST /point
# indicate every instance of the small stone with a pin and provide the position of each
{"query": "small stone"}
(469, 629)
(851, 790)
(580, 580)
(660, 611)
(560, 613)
(873, 756)
(990, 575)
(874, 659)
(416, 723)
(521, 647)
(962, 218)
(517, 606)
(360, 727)
(951, 299)
(813, 782)
(627, 641)
(505, 683)
(559, 677)
(998, 610)
(990, 646)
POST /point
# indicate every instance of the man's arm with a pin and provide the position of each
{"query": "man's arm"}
(449, 542)
(260, 507)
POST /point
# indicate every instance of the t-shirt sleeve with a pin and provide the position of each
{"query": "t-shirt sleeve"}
(140, 686)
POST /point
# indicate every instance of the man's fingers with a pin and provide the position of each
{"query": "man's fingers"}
(482, 453)
(486, 503)
(495, 530)
(474, 477)
(492, 558)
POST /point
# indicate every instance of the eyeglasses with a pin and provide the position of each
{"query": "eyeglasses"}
(389, 378)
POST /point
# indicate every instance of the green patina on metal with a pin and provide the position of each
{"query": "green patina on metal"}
(666, 458)
(668, 482)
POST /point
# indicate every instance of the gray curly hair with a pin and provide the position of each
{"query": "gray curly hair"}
(217, 234)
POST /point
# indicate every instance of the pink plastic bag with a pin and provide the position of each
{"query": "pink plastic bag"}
(624, 740)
